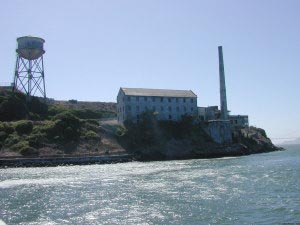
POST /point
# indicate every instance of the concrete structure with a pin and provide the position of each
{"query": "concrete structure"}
(220, 129)
(208, 113)
(223, 99)
(29, 71)
(166, 104)
(238, 121)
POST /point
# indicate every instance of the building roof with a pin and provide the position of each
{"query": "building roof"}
(158, 92)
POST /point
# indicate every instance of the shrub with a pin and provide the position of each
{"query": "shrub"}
(66, 127)
(37, 107)
(87, 114)
(120, 131)
(11, 140)
(89, 126)
(12, 109)
(14, 106)
(91, 135)
(36, 140)
(7, 127)
(20, 145)
(145, 133)
(3, 135)
(67, 117)
(24, 149)
(29, 151)
(54, 110)
(23, 127)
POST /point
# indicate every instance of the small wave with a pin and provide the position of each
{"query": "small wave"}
(50, 181)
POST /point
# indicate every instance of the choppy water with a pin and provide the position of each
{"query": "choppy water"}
(256, 189)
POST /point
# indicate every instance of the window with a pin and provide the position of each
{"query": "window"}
(169, 99)
(184, 109)
(153, 99)
(170, 108)
(161, 99)
(192, 109)
(129, 108)
(145, 98)
(170, 117)
(184, 100)
(162, 108)
(177, 100)
(137, 108)
(192, 100)
(154, 108)
(128, 98)
(137, 98)
(177, 108)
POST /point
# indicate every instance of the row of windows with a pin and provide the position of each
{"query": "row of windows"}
(158, 99)
(154, 108)
(138, 117)
(170, 117)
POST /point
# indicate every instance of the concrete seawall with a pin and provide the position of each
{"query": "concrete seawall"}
(84, 160)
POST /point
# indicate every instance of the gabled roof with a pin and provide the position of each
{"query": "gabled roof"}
(158, 92)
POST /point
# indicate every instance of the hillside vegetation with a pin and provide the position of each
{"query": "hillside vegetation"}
(32, 128)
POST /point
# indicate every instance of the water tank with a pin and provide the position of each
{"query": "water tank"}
(30, 47)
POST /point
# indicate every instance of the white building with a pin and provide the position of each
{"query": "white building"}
(167, 104)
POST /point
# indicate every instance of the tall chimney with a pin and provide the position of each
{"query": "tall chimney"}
(223, 99)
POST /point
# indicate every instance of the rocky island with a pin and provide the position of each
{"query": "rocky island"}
(49, 130)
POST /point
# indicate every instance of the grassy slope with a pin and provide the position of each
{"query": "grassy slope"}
(37, 129)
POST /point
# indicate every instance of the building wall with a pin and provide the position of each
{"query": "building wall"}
(219, 131)
(208, 113)
(201, 113)
(121, 107)
(239, 121)
(167, 108)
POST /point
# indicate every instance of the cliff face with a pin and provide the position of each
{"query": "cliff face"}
(184, 139)
(255, 139)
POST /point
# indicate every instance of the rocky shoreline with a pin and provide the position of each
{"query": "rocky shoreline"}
(234, 150)
(62, 161)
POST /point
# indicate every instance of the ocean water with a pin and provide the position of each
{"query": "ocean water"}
(255, 189)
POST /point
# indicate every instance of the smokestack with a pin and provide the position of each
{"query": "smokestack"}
(223, 99)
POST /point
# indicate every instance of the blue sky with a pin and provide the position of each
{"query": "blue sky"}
(94, 47)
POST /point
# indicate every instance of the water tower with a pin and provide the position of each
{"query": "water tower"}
(29, 73)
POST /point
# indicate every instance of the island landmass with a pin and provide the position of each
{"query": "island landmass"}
(39, 129)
